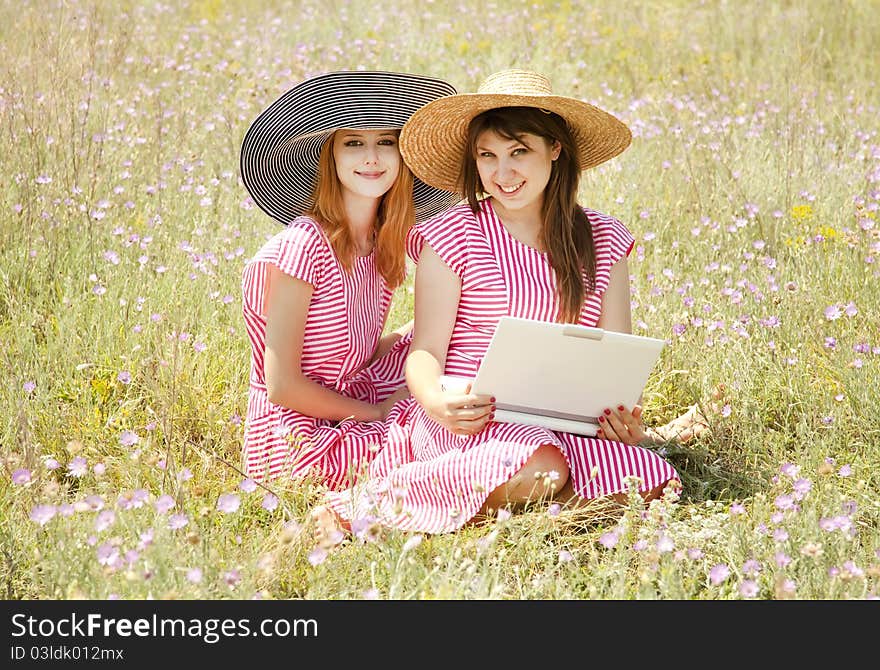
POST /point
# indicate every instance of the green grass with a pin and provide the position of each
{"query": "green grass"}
(752, 188)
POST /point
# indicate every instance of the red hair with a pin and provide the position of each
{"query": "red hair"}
(395, 217)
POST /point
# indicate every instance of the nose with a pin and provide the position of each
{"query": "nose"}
(504, 168)
(371, 154)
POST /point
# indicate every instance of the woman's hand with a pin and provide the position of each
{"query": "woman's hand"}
(460, 413)
(623, 425)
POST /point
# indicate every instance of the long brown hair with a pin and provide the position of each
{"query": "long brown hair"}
(395, 217)
(566, 232)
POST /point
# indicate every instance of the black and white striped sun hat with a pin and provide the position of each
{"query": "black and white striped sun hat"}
(279, 153)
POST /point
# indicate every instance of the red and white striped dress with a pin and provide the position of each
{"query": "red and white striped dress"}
(427, 479)
(345, 320)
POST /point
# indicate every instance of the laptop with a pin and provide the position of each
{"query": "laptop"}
(561, 376)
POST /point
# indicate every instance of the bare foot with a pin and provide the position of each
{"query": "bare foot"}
(682, 429)
(692, 423)
(328, 528)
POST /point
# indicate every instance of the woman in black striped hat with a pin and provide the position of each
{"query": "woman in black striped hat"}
(323, 160)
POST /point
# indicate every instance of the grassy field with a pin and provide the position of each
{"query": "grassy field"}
(752, 188)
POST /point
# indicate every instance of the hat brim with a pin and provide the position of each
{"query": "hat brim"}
(433, 141)
(281, 148)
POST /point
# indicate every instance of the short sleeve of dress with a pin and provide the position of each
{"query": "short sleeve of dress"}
(612, 239)
(303, 251)
(447, 234)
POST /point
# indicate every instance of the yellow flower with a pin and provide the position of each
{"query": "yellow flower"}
(801, 213)
(828, 232)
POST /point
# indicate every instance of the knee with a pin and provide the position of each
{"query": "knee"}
(548, 458)
(546, 470)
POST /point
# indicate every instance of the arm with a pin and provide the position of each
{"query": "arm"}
(287, 306)
(619, 423)
(438, 290)
(616, 312)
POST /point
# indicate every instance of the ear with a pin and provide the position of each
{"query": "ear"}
(555, 150)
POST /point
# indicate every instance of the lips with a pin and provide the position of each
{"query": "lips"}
(510, 190)
(370, 175)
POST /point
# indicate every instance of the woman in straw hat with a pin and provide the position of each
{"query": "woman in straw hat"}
(323, 160)
(521, 246)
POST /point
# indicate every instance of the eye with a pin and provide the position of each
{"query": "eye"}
(387, 142)
(519, 151)
(485, 154)
(353, 143)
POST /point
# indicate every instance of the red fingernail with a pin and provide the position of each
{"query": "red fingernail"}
(607, 411)
(620, 407)
(602, 419)
(599, 433)
(492, 416)
(492, 399)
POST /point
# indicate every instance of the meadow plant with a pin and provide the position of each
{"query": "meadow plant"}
(752, 187)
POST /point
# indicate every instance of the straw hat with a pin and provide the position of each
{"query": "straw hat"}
(433, 141)
(279, 153)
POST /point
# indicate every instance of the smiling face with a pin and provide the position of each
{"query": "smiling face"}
(515, 171)
(367, 161)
